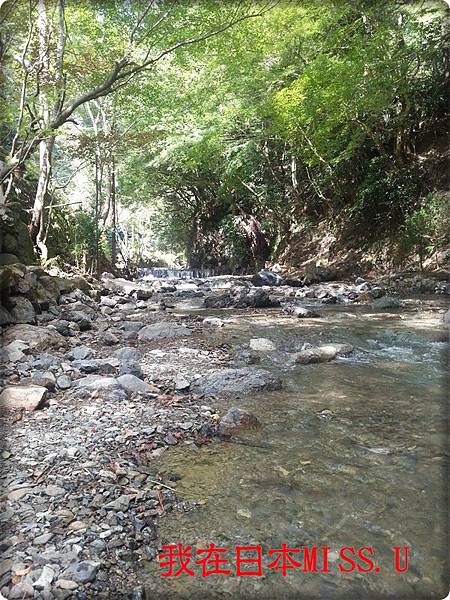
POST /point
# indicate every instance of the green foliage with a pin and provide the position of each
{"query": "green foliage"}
(386, 194)
(315, 109)
(427, 228)
(83, 237)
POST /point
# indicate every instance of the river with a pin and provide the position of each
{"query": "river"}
(351, 453)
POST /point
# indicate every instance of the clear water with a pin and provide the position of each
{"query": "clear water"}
(351, 453)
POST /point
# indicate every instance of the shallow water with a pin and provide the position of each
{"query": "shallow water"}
(351, 453)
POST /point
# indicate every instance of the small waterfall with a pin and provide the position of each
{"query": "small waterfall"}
(166, 273)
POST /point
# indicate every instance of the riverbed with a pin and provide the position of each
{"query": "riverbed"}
(350, 453)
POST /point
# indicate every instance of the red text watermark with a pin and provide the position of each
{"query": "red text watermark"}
(248, 561)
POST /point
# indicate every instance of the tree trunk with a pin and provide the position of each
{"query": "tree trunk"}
(47, 81)
(97, 216)
(45, 167)
(113, 214)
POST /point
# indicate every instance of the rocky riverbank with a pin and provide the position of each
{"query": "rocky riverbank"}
(98, 380)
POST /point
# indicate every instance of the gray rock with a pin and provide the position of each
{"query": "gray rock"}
(119, 504)
(133, 385)
(38, 338)
(215, 321)
(241, 297)
(29, 397)
(54, 490)
(119, 285)
(64, 382)
(131, 368)
(267, 278)
(131, 326)
(248, 358)
(181, 383)
(45, 361)
(325, 353)
(81, 318)
(108, 301)
(446, 317)
(45, 379)
(144, 294)
(100, 386)
(21, 590)
(386, 302)
(235, 382)
(98, 545)
(13, 351)
(65, 328)
(5, 317)
(81, 572)
(300, 312)
(262, 345)
(102, 366)
(43, 539)
(163, 330)
(109, 339)
(237, 419)
(22, 311)
(128, 353)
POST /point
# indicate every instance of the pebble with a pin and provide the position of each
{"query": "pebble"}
(64, 382)
(43, 539)
(21, 590)
(54, 490)
(45, 579)
(66, 584)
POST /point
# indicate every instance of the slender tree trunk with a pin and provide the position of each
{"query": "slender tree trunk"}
(97, 216)
(37, 229)
(113, 214)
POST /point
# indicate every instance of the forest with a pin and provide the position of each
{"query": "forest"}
(224, 299)
(319, 120)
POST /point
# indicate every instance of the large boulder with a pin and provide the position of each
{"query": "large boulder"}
(163, 330)
(8, 259)
(98, 386)
(267, 278)
(386, 302)
(13, 352)
(241, 297)
(38, 338)
(119, 285)
(80, 317)
(133, 385)
(5, 317)
(15, 237)
(22, 310)
(29, 397)
(235, 382)
(316, 274)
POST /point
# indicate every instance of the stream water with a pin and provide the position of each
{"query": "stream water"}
(351, 453)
